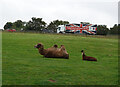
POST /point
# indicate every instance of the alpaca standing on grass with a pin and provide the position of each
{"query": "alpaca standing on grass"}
(88, 58)
(53, 52)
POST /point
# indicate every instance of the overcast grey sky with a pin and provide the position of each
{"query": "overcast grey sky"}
(74, 11)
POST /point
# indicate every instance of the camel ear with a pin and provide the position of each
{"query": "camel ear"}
(39, 44)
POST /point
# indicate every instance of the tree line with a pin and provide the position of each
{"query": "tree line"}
(37, 24)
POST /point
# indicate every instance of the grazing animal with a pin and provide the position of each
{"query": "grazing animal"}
(53, 52)
(88, 58)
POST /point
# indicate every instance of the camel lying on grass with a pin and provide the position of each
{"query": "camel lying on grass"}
(53, 52)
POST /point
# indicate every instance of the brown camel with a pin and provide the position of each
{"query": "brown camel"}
(53, 52)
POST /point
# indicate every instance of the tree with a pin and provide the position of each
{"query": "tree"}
(114, 29)
(54, 25)
(119, 29)
(18, 23)
(8, 25)
(102, 30)
(84, 22)
(36, 24)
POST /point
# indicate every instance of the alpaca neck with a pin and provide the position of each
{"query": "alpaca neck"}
(41, 51)
(83, 55)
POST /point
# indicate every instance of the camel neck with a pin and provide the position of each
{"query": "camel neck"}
(41, 51)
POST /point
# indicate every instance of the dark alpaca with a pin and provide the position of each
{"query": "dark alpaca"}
(88, 58)
(53, 52)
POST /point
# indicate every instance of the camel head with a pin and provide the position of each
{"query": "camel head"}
(39, 45)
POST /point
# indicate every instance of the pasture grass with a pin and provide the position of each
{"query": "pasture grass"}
(23, 65)
(0, 58)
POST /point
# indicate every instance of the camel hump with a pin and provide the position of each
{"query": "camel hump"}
(55, 46)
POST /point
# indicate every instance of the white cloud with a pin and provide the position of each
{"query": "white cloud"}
(74, 11)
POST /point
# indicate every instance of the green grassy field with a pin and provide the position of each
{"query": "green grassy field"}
(23, 65)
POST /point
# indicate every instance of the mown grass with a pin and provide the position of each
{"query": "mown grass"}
(23, 65)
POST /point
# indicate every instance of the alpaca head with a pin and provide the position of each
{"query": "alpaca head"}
(82, 51)
(39, 45)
